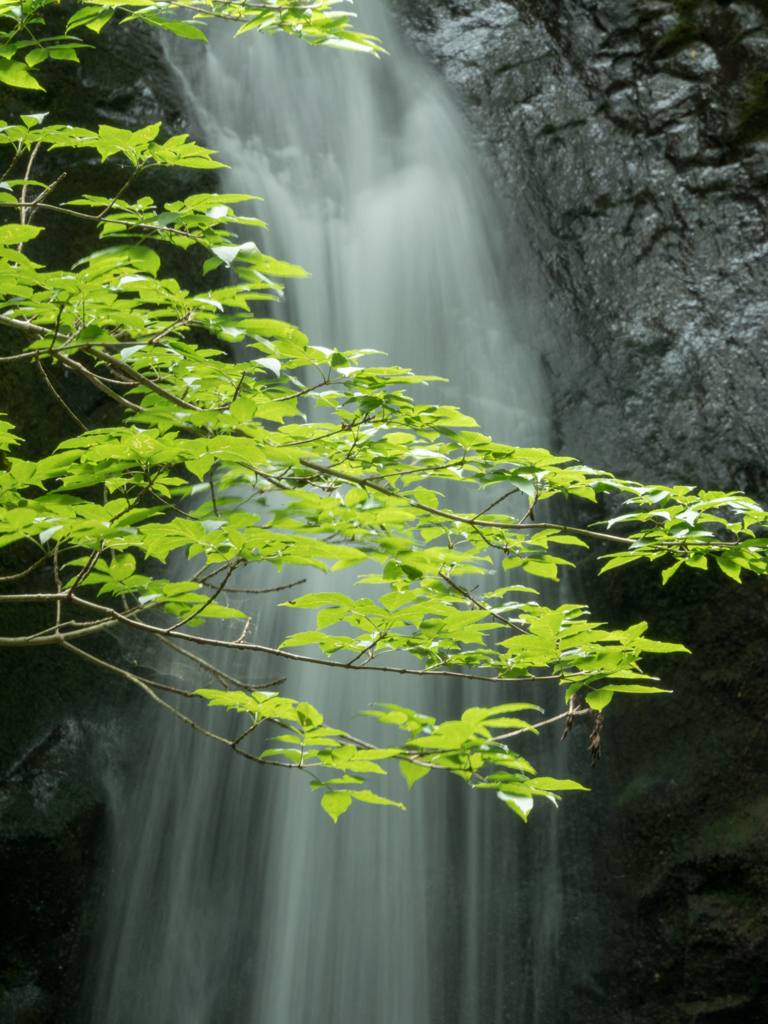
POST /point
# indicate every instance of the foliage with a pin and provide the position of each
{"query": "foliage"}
(26, 44)
(292, 454)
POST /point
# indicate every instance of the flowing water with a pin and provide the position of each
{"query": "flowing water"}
(232, 896)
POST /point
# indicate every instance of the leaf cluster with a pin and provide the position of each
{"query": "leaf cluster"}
(256, 447)
(25, 43)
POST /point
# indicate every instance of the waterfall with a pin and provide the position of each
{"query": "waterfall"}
(232, 896)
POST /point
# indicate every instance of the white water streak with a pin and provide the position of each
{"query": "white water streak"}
(233, 897)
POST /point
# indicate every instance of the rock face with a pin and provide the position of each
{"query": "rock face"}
(627, 135)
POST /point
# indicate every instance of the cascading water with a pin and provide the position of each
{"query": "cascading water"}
(233, 896)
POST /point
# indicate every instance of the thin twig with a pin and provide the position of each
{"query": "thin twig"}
(25, 572)
(138, 377)
(73, 364)
(266, 590)
(57, 396)
(213, 493)
(441, 513)
(201, 608)
(146, 685)
(57, 578)
(482, 607)
(247, 732)
(22, 211)
(539, 725)
(217, 672)
(46, 638)
(245, 630)
(515, 490)
(33, 206)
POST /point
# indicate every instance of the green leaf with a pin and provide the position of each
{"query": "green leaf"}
(34, 57)
(14, 73)
(636, 688)
(539, 567)
(12, 234)
(599, 699)
(659, 647)
(309, 717)
(668, 573)
(521, 805)
(413, 772)
(367, 797)
(185, 29)
(95, 18)
(63, 53)
(335, 802)
(541, 782)
(730, 568)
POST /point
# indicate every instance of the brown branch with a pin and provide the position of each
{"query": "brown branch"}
(129, 181)
(23, 325)
(73, 364)
(247, 732)
(201, 608)
(231, 645)
(528, 515)
(245, 630)
(146, 685)
(33, 206)
(24, 572)
(539, 725)
(46, 638)
(515, 490)
(57, 578)
(12, 164)
(266, 590)
(22, 211)
(79, 623)
(241, 646)
(57, 396)
(217, 672)
(126, 368)
(441, 513)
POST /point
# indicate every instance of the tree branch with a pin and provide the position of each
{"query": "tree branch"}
(442, 514)
(57, 396)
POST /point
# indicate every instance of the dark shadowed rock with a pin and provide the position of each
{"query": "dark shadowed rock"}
(64, 724)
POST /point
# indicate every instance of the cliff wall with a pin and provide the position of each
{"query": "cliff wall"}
(629, 137)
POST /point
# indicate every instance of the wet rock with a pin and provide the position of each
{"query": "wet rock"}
(630, 138)
(630, 135)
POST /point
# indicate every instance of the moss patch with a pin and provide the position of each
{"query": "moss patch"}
(684, 33)
(753, 123)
